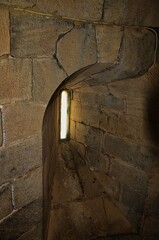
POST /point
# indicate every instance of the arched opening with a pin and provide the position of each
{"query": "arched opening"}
(96, 182)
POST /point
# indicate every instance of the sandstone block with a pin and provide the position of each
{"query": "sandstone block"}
(28, 188)
(126, 13)
(72, 129)
(95, 160)
(5, 200)
(22, 3)
(34, 35)
(34, 234)
(81, 132)
(79, 220)
(15, 79)
(94, 138)
(108, 43)
(112, 102)
(137, 155)
(47, 77)
(84, 113)
(22, 120)
(23, 220)
(20, 158)
(135, 178)
(1, 129)
(80, 43)
(88, 10)
(4, 29)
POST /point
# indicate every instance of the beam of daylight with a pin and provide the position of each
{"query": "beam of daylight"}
(64, 114)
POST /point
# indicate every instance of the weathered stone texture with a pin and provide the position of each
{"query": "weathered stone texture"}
(22, 120)
(109, 40)
(4, 30)
(34, 35)
(89, 10)
(47, 77)
(137, 40)
(134, 154)
(27, 188)
(21, 3)
(136, 179)
(1, 129)
(77, 48)
(89, 114)
(15, 79)
(22, 221)
(34, 234)
(20, 158)
(5, 200)
(132, 13)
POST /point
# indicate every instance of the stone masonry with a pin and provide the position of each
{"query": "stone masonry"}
(43, 42)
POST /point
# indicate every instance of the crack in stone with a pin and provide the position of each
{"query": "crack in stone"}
(103, 8)
(61, 35)
(119, 57)
(97, 52)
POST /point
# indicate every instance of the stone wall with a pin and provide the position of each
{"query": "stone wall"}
(41, 44)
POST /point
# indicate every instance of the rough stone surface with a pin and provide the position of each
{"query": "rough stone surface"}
(79, 220)
(4, 29)
(108, 43)
(20, 158)
(22, 120)
(22, 221)
(5, 200)
(21, 3)
(80, 43)
(15, 79)
(89, 10)
(1, 129)
(27, 188)
(94, 138)
(136, 179)
(34, 234)
(34, 35)
(133, 154)
(131, 13)
(89, 114)
(96, 160)
(47, 77)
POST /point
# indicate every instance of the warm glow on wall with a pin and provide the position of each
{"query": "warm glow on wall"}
(64, 114)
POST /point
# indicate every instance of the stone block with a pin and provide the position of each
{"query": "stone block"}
(23, 220)
(78, 220)
(47, 77)
(141, 60)
(112, 102)
(111, 186)
(88, 10)
(135, 178)
(132, 199)
(117, 222)
(20, 158)
(5, 200)
(72, 129)
(136, 155)
(85, 113)
(138, 87)
(1, 129)
(35, 35)
(94, 138)
(34, 234)
(79, 147)
(66, 185)
(123, 12)
(4, 29)
(15, 79)
(121, 125)
(27, 188)
(108, 43)
(22, 3)
(22, 120)
(95, 160)
(81, 133)
(80, 43)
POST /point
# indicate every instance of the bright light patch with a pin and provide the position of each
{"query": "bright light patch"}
(64, 115)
